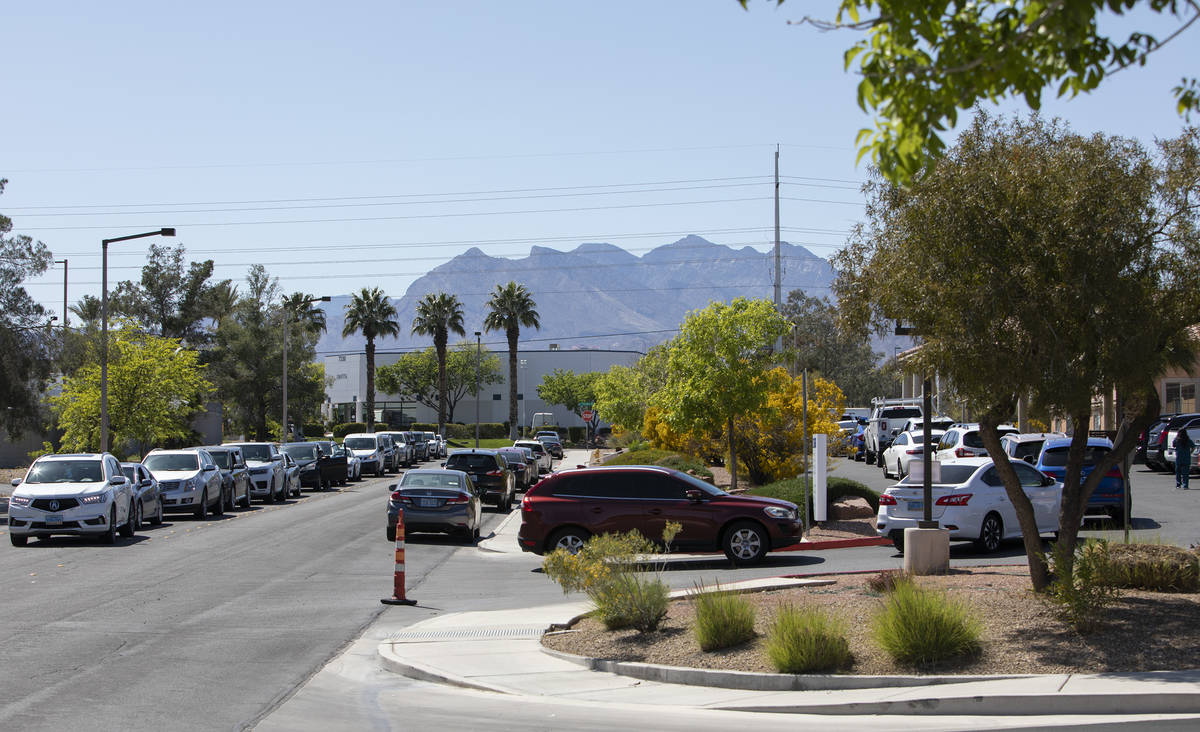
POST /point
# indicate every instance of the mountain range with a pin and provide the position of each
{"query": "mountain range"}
(596, 296)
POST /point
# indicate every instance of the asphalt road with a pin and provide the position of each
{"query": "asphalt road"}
(194, 625)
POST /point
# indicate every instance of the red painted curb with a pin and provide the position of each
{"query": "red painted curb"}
(838, 544)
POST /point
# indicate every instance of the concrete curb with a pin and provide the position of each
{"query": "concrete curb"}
(413, 670)
(1005, 705)
(498, 535)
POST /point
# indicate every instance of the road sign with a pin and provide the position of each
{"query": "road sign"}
(587, 415)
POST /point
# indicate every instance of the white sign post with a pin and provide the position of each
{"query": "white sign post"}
(820, 492)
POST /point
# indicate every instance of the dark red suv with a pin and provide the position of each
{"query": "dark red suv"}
(564, 510)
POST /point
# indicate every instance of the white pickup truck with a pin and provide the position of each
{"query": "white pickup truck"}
(888, 417)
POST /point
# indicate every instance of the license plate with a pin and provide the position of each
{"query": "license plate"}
(54, 518)
(428, 502)
(916, 505)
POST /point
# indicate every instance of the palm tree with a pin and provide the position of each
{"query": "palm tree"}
(439, 315)
(305, 312)
(510, 307)
(88, 311)
(371, 312)
(222, 299)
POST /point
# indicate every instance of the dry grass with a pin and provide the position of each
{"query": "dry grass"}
(1144, 631)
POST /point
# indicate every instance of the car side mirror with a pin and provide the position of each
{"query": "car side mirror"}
(209, 468)
(442, 464)
(695, 495)
(15, 482)
(1028, 459)
(277, 458)
(145, 482)
(1047, 481)
(117, 480)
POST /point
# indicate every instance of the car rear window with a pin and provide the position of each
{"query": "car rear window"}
(951, 475)
(972, 439)
(471, 462)
(413, 479)
(303, 452)
(1031, 449)
(900, 412)
(1056, 457)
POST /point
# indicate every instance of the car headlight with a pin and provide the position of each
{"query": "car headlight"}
(18, 500)
(94, 498)
(779, 512)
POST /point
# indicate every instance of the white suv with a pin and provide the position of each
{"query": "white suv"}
(964, 441)
(189, 481)
(71, 494)
(268, 478)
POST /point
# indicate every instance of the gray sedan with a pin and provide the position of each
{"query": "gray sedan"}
(439, 501)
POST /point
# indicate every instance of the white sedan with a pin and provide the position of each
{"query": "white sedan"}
(907, 446)
(970, 501)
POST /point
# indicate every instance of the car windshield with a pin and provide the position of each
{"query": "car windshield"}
(360, 443)
(261, 453)
(694, 482)
(1056, 457)
(66, 471)
(951, 475)
(178, 461)
(302, 452)
(471, 462)
(221, 458)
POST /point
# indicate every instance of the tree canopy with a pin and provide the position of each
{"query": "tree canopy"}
(1032, 260)
(845, 357)
(921, 62)
(439, 315)
(415, 375)
(168, 300)
(509, 308)
(568, 389)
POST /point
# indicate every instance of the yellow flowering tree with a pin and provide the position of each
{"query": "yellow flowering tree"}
(770, 443)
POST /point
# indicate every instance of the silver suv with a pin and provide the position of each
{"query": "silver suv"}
(268, 480)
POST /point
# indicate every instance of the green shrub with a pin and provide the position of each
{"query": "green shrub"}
(627, 600)
(1082, 594)
(459, 431)
(314, 430)
(347, 428)
(601, 557)
(47, 449)
(888, 580)
(644, 456)
(794, 489)
(920, 627)
(685, 463)
(576, 434)
(723, 619)
(806, 640)
(1154, 567)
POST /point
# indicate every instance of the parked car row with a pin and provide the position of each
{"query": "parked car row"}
(389, 450)
(95, 495)
(1156, 444)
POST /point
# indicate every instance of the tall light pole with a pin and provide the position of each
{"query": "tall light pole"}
(104, 324)
(63, 262)
(287, 319)
(522, 363)
(478, 344)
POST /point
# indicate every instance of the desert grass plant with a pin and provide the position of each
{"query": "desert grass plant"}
(807, 640)
(1157, 567)
(888, 580)
(921, 627)
(723, 619)
(1080, 590)
(628, 600)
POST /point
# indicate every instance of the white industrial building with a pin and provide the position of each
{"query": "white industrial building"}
(345, 397)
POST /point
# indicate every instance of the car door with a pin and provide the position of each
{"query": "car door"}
(1045, 498)
(664, 499)
(994, 497)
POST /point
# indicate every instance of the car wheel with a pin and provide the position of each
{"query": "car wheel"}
(879, 459)
(469, 537)
(1117, 514)
(246, 498)
(201, 511)
(219, 506)
(133, 519)
(110, 536)
(137, 516)
(571, 539)
(991, 534)
(18, 539)
(746, 542)
(296, 489)
(897, 538)
(391, 533)
(229, 500)
(900, 474)
(158, 517)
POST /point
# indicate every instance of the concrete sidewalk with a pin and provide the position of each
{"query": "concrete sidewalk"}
(501, 652)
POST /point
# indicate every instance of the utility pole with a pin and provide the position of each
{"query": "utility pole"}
(778, 258)
(66, 319)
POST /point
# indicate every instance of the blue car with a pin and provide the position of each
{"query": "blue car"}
(1109, 497)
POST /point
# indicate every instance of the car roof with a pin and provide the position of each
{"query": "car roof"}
(473, 451)
(176, 451)
(1066, 442)
(1030, 436)
(73, 455)
(977, 461)
(434, 471)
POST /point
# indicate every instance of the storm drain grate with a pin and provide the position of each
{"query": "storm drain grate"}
(520, 632)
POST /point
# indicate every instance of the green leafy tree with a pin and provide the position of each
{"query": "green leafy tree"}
(27, 351)
(168, 300)
(1032, 260)
(844, 357)
(569, 389)
(921, 62)
(439, 315)
(371, 313)
(716, 369)
(155, 388)
(624, 393)
(88, 311)
(510, 307)
(415, 375)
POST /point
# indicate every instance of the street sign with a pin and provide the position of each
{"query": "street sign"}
(587, 415)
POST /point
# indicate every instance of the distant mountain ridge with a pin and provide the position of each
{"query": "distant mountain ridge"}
(622, 301)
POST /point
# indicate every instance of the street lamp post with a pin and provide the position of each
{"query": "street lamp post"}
(478, 344)
(286, 322)
(165, 231)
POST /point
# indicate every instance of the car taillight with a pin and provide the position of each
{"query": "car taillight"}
(956, 499)
(963, 452)
(886, 500)
(457, 499)
(1162, 438)
(914, 451)
(1114, 472)
(495, 473)
(526, 504)
(1048, 474)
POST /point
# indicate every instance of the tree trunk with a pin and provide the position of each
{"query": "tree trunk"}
(439, 344)
(732, 459)
(370, 417)
(513, 334)
(1039, 571)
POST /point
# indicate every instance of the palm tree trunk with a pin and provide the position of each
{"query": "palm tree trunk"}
(370, 419)
(439, 344)
(513, 334)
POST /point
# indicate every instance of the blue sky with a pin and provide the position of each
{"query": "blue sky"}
(361, 144)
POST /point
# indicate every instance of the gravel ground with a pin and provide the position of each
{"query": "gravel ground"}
(1145, 631)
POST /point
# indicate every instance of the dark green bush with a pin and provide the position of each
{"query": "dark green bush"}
(793, 489)
(487, 430)
(577, 434)
(346, 428)
(645, 456)
(314, 430)
(684, 463)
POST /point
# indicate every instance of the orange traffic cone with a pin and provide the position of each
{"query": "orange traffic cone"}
(398, 597)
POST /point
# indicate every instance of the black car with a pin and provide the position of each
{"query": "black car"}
(1150, 436)
(518, 461)
(1157, 445)
(309, 457)
(489, 472)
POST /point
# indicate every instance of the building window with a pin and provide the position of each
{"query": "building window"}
(495, 397)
